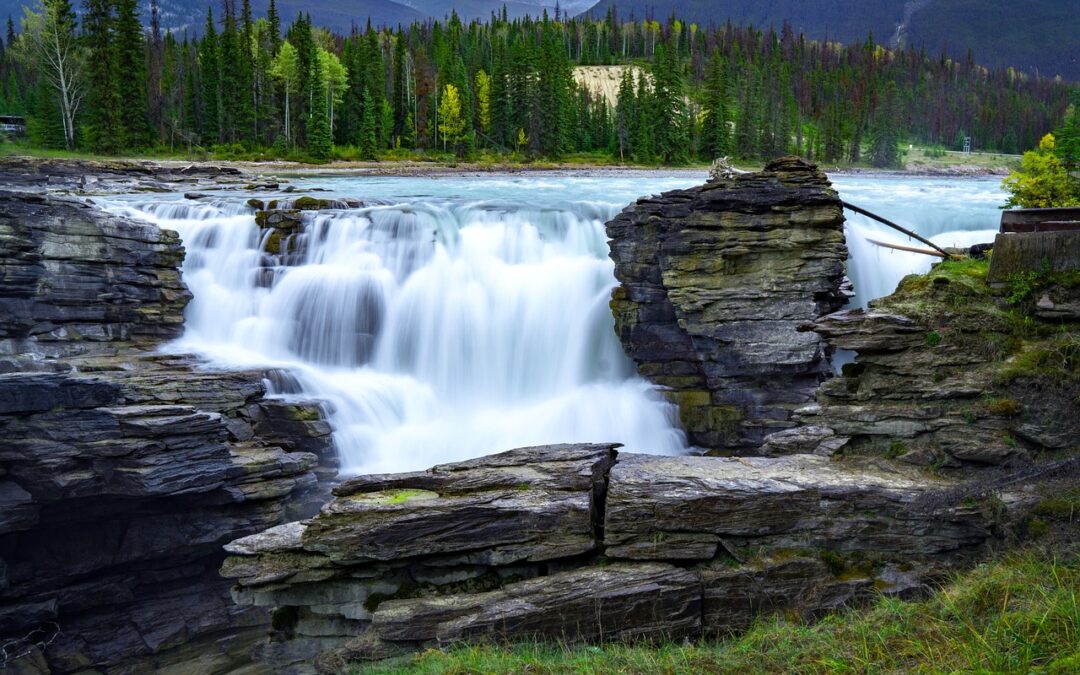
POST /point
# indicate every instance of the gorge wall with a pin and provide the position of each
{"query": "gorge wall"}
(123, 470)
(714, 282)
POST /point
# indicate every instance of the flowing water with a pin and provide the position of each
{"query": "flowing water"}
(454, 317)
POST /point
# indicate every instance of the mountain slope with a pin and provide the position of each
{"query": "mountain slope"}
(339, 15)
(842, 20)
(1032, 35)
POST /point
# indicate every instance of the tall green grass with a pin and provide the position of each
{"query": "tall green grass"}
(1016, 615)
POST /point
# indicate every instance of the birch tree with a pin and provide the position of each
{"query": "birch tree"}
(53, 48)
(285, 68)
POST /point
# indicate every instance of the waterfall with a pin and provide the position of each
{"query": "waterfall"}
(949, 212)
(438, 323)
(434, 330)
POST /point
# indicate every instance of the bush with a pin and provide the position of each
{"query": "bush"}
(1042, 181)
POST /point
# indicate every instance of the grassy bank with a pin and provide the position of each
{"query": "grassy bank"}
(1020, 614)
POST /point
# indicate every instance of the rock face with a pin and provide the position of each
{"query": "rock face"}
(954, 373)
(70, 274)
(576, 542)
(715, 280)
(123, 471)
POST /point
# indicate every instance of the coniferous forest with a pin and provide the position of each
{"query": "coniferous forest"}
(281, 87)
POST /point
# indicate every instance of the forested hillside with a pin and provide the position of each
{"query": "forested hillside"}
(1033, 35)
(252, 84)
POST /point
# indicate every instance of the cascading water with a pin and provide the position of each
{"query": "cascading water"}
(949, 212)
(441, 324)
(435, 330)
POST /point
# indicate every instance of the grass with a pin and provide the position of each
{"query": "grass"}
(1017, 615)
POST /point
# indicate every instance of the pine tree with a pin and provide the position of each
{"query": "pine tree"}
(130, 63)
(885, 132)
(715, 132)
(369, 135)
(671, 137)
(320, 142)
(209, 71)
(104, 132)
(624, 115)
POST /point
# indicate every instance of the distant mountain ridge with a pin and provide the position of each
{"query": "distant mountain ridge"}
(1035, 36)
(338, 15)
(1040, 36)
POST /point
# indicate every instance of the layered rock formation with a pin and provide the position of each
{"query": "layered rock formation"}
(577, 542)
(715, 280)
(123, 470)
(952, 372)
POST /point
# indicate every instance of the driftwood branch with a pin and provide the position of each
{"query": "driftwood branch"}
(858, 209)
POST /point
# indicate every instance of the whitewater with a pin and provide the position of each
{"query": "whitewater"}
(453, 317)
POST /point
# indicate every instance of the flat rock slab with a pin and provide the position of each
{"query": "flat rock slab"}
(529, 504)
(621, 601)
(688, 508)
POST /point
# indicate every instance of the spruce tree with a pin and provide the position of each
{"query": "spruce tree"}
(671, 137)
(209, 71)
(104, 131)
(320, 142)
(885, 132)
(130, 63)
(715, 131)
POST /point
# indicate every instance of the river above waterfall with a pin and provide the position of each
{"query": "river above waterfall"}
(456, 316)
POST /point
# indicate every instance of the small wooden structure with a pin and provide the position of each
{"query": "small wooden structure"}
(1036, 240)
(1040, 220)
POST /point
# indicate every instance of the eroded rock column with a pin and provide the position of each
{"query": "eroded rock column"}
(715, 280)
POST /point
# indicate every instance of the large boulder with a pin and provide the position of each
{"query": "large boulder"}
(715, 280)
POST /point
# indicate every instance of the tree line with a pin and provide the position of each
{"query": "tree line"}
(100, 82)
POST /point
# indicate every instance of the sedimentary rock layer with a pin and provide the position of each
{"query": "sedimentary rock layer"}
(122, 470)
(573, 542)
(715, 280)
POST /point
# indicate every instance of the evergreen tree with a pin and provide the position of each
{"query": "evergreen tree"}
(1067, 138)
(320, 142)
(624, 115)
(885, 134)
(210, 76)
(104, 132)
(716, 131)
(130, 64)
(671, 137)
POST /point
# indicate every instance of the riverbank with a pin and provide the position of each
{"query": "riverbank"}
(918, 162)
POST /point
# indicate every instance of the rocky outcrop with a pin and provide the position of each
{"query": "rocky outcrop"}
(123, 471)
(38, 176)
(715, 280)
(577, 542)
(73, 278)
(954, 373)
